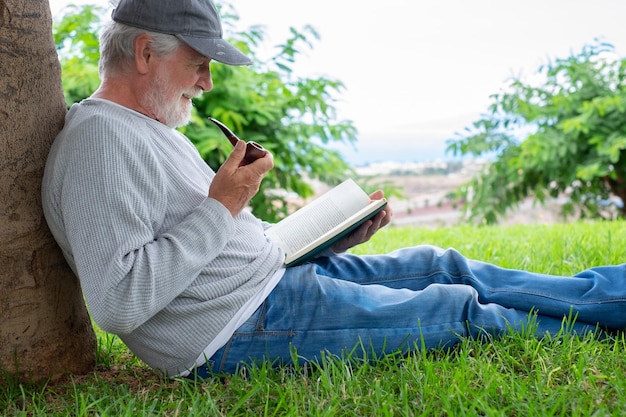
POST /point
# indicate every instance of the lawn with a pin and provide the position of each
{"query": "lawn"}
(515, 375)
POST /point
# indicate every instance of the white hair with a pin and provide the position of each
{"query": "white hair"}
(117, 46)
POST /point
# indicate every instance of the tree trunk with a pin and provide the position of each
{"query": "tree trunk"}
(45, 329)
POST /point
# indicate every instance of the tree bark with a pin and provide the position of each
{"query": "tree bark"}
(45, 329)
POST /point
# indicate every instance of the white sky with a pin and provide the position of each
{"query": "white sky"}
(418, 71)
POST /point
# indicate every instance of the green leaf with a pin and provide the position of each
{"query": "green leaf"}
(564, 135)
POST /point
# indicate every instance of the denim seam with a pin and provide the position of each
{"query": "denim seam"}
(545, 295)
(564, 300)
(225, 355)
(394, 278)
(261, 319)
(265, 333)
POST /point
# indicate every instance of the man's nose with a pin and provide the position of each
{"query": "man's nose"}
(205, 81)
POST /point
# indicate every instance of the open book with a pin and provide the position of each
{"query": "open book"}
(320, 224)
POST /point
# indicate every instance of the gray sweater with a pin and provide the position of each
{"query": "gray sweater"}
(161, 265)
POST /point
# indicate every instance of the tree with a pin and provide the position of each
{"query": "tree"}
(45, 326)
(563, 137)
(292, 117)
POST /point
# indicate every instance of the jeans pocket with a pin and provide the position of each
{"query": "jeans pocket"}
(254, 322)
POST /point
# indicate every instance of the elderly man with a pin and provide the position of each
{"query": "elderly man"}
(169, 260)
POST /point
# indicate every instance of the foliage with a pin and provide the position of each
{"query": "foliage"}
(563, 137)
(76, 41)
(515, 375)
(293, 117)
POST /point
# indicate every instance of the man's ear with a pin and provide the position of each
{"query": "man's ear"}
(143, 54)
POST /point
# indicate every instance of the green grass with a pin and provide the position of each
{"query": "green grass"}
(515, 375)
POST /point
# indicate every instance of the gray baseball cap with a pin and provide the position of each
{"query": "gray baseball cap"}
(194, 22)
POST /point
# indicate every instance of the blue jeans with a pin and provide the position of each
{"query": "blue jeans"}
(420, 296)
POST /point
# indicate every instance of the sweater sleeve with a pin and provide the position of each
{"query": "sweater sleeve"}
(114, 203)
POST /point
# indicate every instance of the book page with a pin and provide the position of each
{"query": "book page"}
(328, 239)
(318, 217)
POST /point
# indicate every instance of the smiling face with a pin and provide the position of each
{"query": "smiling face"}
(177, 79)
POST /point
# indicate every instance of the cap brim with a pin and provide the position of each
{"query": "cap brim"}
(217, 49)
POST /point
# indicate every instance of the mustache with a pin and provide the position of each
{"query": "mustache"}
(193, 93)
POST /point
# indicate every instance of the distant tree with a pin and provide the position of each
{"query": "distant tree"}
(563, 137)
(45, 328)
(293, 117)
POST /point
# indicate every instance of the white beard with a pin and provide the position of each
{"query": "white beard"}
(169, 106)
